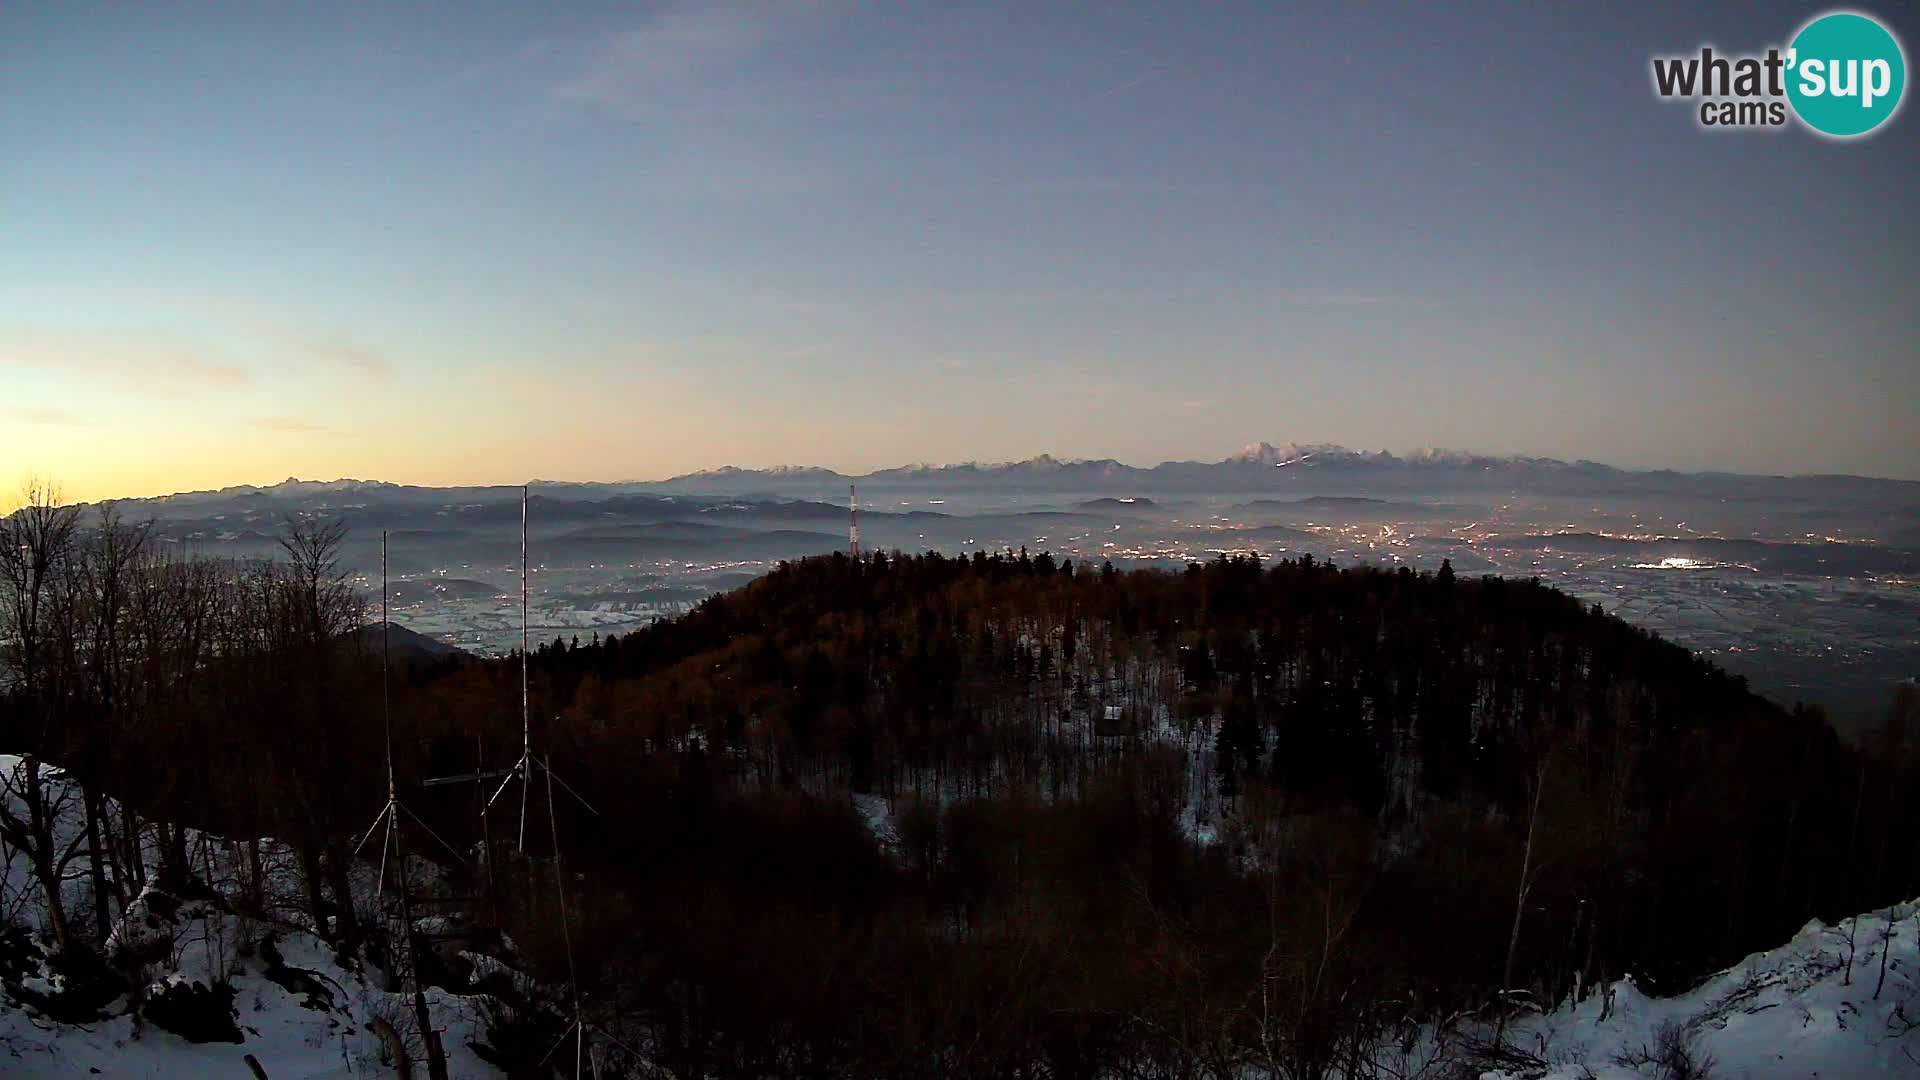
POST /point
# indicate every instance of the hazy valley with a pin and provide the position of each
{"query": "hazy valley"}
(1810, 587)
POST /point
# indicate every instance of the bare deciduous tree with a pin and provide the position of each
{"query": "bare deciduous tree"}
(36, 544)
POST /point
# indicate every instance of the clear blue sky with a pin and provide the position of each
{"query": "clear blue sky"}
(454, 243)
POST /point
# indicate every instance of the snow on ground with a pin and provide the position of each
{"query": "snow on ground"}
(1203, 819)
(1795, 1011)
(878, 815)
(302, 1012)
(315, 1022)
(1791, 1012)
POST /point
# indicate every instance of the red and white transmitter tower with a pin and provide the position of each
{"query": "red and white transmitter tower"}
(853, 522)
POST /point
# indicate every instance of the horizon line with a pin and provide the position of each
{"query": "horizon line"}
(1302, 452)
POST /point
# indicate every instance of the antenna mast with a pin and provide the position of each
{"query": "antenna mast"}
(853, 522)
(392, 844)
(526, 723)
(389, 816)
(522, 770)
(386, 636)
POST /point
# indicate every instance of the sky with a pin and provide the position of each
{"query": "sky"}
(479, 243)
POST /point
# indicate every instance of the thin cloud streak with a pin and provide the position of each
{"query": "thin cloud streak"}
(149, 366)
(1331, 298)
(277, 330)
(37, 417)
(1149, 74)
(682, 43)
(355, 359)
(290, 425)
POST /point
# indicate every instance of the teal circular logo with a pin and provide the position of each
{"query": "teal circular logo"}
(1845, 74)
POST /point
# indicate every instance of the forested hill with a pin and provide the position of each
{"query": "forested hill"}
(1337, 688)
(1341, 687)
(1492, 745)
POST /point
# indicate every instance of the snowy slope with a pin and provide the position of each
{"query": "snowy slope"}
(1795, 1011)
(303, 1034)
(1792, 1012)
(302, 1012)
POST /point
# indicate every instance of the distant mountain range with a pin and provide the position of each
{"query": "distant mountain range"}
(1295, 469)
(1291, 471)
